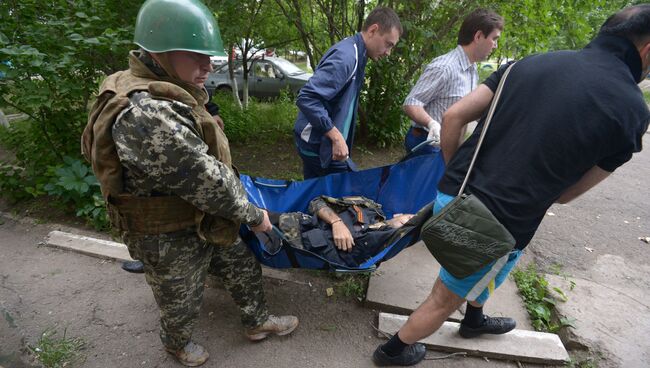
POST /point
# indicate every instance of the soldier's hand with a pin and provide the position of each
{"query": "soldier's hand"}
(218, 120)
(265, 226)
(342, 237)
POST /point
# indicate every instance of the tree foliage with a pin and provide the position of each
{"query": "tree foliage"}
(53, 54)
(57, 51)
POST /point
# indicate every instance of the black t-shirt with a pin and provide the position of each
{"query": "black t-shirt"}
(559, 115)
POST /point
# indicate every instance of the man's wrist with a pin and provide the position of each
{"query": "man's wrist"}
(335, 221)
(333, 134)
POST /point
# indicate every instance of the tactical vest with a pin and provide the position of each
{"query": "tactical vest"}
(160, 214)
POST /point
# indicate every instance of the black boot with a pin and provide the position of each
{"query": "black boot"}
(411, 355)
(133, 266)
(490, 325)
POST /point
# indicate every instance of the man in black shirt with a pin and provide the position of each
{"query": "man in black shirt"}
(564, 122)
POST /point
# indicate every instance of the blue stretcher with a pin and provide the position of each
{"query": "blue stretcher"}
(404, 187)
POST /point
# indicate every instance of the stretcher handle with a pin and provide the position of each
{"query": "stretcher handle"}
(423, 144)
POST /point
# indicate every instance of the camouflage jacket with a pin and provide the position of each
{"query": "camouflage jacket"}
(162, 153)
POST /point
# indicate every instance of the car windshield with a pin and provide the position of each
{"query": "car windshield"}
(288, 67)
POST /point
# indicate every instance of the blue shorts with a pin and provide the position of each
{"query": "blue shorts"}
(478, 286)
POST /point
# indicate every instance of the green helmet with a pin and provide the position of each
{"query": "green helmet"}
(167, 25)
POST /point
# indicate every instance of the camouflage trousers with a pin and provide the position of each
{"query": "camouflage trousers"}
(175, 267)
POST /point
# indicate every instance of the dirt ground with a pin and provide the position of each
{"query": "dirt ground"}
(281, 161)
(114, 312)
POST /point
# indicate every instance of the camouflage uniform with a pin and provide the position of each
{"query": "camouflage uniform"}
(290, 222)
(162, 154)
(363, 217)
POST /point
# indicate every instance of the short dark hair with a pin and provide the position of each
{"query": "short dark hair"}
(632, 23)
(385, 18)
(484, 20)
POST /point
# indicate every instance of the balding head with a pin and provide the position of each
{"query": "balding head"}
(632, 23)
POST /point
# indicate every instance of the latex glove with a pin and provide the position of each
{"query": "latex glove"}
(434, 133)
(342, 237)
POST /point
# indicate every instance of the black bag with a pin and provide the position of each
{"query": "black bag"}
(465, 236)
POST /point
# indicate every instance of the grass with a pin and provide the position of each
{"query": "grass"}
(57, 352)
(534, 290)
(354, 285)
(646, 96)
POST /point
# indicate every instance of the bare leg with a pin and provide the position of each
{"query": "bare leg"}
(429, 316)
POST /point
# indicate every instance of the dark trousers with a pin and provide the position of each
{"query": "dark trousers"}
(311, 167)
(416, 136)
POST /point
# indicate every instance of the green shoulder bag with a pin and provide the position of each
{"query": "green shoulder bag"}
(465, 236)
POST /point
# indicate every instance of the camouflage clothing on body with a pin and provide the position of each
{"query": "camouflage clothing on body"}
(176, 265)
(162, 153)
(290, 222)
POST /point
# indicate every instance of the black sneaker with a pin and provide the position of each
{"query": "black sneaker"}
(491, 325)
(412, 354)
(133, 266)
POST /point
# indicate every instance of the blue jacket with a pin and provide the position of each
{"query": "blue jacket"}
(330, 98)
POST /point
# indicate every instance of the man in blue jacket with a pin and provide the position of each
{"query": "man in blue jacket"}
(324, 129)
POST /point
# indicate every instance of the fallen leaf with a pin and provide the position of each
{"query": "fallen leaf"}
(645, 239)
(330, 291)
(327, 327)
(550, 213)
(589, 249)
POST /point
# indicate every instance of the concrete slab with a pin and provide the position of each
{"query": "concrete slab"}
(87, 245)
(401, 284)
(118, 251)
(520, 345)
(609, 320)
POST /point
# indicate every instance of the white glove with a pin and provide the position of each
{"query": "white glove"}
(434, 133)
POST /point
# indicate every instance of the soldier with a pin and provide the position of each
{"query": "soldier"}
(165, 172)
(345, 231)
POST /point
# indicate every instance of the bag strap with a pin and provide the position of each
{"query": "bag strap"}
(493, 105)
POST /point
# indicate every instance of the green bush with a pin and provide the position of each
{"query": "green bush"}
(57, 52)
(261, 122)
(74, 183)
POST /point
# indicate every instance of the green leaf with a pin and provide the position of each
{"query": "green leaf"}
(543, 312)
(3, 39)
(567, 321)
(92, 41)
(75, 37)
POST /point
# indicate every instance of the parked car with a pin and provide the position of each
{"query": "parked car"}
(218, 61)
(266, 78)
